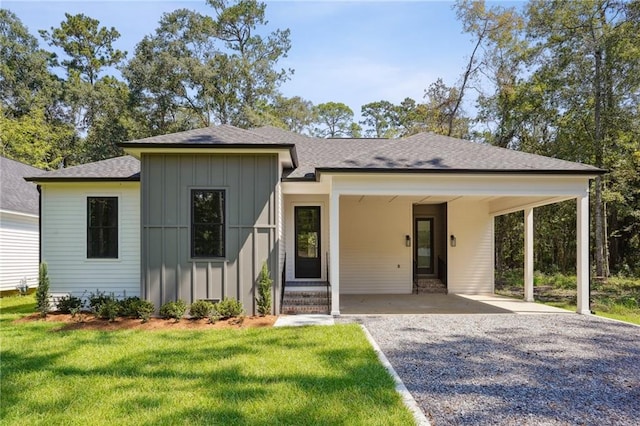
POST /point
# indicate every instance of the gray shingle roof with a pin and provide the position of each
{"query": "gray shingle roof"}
(219, 135)
(16, 194)
(115, 169)
(431, 152)
(422, 153)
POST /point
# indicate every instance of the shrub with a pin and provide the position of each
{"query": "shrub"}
(264, 291)
(99, 298)
(109, 309)
(201, 309)
(175, 310)
(42, 293)
(145, 309)
(69, 304)
(229, 308)
(129, 306)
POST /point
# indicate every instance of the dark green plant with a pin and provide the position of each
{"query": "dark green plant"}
(145, 309)
(201, 309)
(109, 309)
(229, 308)
(264, 291)
(98, 298)
(42, 293)
(69, 304)
(175, 310)
(129, 306)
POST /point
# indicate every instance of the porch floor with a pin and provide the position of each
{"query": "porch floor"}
(375, 304)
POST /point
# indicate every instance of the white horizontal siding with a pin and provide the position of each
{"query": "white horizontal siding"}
(64, 236)
(373, 253)
(18, 250)
(470, 262)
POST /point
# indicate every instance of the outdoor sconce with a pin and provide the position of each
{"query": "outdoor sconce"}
(407, 241)
(453, 240)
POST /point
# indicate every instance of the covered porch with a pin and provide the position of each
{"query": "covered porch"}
(367, 233)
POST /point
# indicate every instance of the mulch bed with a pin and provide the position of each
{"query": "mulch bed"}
(90, 322)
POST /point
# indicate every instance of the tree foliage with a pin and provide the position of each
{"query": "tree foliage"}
(198, 70)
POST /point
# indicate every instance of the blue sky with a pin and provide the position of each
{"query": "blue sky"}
(354, 52)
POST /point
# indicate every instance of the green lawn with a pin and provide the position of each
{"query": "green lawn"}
(297, 376)
(618, 298)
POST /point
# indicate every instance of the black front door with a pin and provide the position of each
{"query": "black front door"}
(307, 240)
(423, 238)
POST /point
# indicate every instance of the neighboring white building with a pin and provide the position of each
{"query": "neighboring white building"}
(19, 225)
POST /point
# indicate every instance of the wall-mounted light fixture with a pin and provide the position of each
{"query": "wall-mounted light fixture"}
(407, 240)
(452, 239)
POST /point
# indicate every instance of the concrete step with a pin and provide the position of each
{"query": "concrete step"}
(306, 309)
(304, 300)
(429, 286)
(431, 290)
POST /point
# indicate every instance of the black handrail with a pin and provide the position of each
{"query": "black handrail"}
(328, 283)
(442, 270)
(284, 280)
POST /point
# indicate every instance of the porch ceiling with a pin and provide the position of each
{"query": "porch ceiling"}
(498, 205)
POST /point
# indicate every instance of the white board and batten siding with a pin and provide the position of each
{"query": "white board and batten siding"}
(374, 257)
(470, 263)
(64, 239)
(19, 249)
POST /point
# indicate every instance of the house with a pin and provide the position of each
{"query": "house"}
(193, 215)
(19, 226)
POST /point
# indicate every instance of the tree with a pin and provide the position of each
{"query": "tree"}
(99, 104)
(294, 114)
(33, 124)
(32, 139)
(589, 50)
(199, 70)
(25, 80)
(334, 120)
(42, 292)
(499, 57)
(381, 117)
(89, 49)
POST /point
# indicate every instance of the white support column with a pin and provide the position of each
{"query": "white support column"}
(528, 254)
(582, 255)
(334, 252)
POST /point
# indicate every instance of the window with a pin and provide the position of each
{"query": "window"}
(102, 227)
(207, 223)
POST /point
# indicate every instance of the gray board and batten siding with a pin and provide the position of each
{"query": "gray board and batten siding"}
(168, 270)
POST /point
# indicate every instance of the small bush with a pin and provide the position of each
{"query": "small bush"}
(99, 298)
(129, 306)
(175, 310)
(42, 293)
(145, 309)
(264, 291)
(201, 309)
(69, 304)
(229, 308)
(109, 309)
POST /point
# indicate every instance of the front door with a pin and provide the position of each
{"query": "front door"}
(423, 247)
(307, 240)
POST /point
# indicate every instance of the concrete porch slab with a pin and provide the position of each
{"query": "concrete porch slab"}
(302, 320)
(376, 304)
(516, 306)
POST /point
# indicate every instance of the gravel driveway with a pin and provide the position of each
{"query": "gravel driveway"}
(551, 369)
